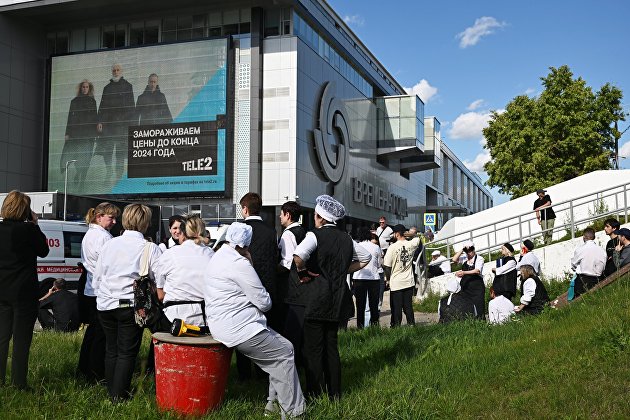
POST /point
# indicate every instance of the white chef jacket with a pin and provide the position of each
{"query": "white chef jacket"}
(530, 259)
(287, 246)
(235, 298)
(91, 245)
(529, 290)
(118, 266)
(181, 272)
(309, 245)
(443, 262)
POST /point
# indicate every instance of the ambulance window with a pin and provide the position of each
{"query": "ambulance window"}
(72, 244)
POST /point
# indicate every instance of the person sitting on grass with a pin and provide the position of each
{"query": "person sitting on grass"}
(505, 272)
(59, 309)
(500, 308)
(534, 295)
(455, 306)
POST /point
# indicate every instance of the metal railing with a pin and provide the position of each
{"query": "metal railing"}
(575, 214)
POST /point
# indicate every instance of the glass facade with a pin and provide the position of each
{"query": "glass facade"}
(314, 40)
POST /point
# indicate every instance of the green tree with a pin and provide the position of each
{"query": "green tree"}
(565, 132)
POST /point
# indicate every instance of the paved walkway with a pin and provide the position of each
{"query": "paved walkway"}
(421, 318)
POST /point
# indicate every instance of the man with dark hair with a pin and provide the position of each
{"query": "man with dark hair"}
(264, 252)
(610, 226)
(399, 274)
(292, 235)
(588, 262)
(59, 309)
(174, 227)
(621, 254)
(545, 215)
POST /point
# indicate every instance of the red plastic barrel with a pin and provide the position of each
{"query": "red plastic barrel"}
(191, 373)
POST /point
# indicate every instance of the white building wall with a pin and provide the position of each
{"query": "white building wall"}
(279, 120)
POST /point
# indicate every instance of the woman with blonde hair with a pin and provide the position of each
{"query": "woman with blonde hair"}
(534, 295)
(80, 132)
(21, 242)
(119, 265)
(180, 272)
(100, 220)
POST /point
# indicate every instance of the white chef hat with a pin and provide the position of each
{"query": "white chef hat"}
(468, 244)
(436, 253)
(329, 208)
(239, 234)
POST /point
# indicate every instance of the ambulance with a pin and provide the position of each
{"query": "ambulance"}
(64, 240)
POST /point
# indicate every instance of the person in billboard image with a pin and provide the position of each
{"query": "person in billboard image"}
(115, 113)
(80, 132)
(151, 106)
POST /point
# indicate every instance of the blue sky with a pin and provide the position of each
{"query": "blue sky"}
(466, 58)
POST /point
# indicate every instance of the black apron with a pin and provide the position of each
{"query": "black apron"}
(473, 287)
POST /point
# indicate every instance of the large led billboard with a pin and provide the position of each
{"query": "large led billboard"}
(148, 120)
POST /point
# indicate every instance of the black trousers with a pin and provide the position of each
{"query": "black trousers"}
(363, 290)
(583, 283)
(293, 331)
(17, 320)
(401, 301)
(122, 338)
(321, 356)
(92, 355)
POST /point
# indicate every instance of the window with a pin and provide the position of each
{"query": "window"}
(57, 42)
(72, 244)
(272, 22)
(114, 36)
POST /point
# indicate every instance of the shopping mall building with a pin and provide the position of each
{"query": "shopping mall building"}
(191, 104)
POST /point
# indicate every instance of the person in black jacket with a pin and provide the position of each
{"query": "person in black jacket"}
(505, 272)
(610, 226)
(115, 113)
(264, 252)
(152, 107)
(80, 132)
(318, 282)
(59, 308)
(21, 242)
(534, 295)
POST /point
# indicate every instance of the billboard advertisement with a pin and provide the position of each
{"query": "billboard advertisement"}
(138, 121)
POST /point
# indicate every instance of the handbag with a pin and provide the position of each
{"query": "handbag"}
(146, 304)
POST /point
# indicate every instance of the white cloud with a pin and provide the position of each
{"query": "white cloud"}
(475, 105)
(469, 125)
(530, 91)
(624, 151)
(354, 20)
(423, 89)
(483, 26)
(480, 160)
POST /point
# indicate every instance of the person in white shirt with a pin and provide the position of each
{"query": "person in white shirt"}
(439, 264)
(383, 233)
(119, 264)
(235, 304)
(534, 295)
(180, 274)
(505, 272)
(588, 262)
(500, 308)
(100, 220)
(528, 257)
(367, 280)
(174, 227)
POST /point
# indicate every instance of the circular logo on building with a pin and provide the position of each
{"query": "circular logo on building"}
(332, 136)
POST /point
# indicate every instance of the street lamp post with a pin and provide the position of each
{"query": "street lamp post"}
(65, 189)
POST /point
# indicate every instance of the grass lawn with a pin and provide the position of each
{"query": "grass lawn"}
(570, 363)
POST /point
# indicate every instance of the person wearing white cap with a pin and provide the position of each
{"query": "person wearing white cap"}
(439, 264)
(471, 276)
(456, 305)
(235, 304)
(318, 283)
